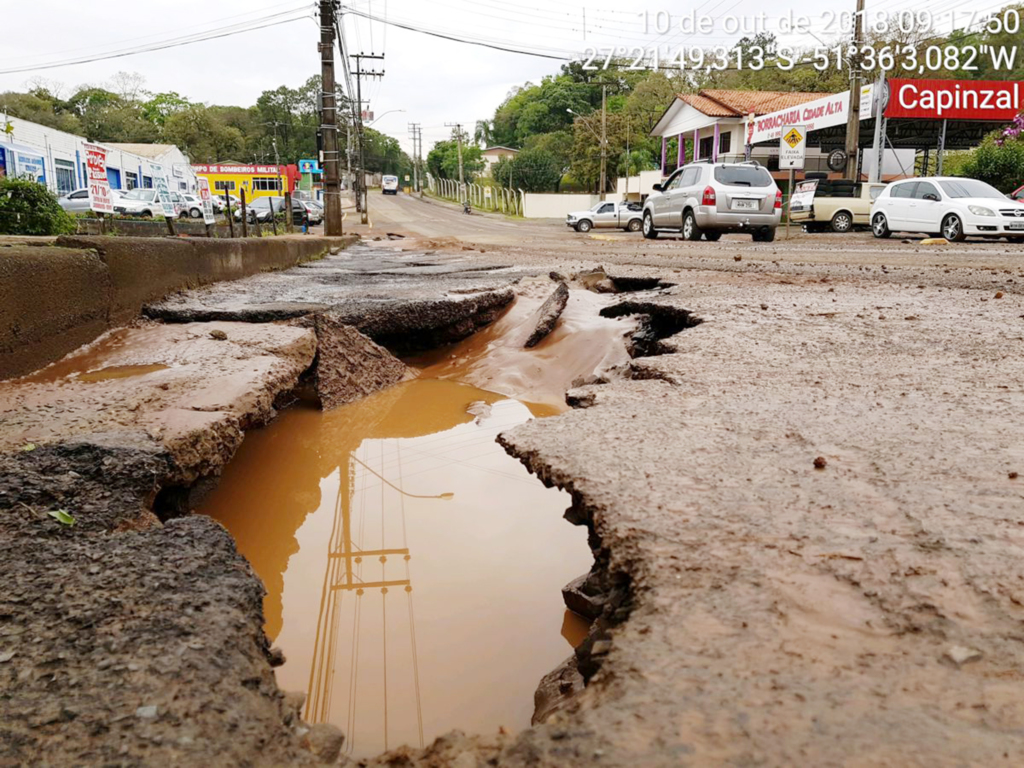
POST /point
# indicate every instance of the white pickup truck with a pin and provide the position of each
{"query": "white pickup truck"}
(627, 216)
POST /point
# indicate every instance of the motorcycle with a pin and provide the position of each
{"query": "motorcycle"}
(466, 207)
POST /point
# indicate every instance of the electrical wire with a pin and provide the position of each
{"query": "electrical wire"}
(164, 45)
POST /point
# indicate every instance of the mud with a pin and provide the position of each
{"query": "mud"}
(583, 344)
(755, 609)
(198, 394)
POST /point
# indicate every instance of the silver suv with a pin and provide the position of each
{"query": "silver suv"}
(707, 199)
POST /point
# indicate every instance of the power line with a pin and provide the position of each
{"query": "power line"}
(173, 43)
(454, 38)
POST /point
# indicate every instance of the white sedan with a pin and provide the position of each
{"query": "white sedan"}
(947, 206)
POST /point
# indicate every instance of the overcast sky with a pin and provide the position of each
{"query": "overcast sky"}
(434, 80)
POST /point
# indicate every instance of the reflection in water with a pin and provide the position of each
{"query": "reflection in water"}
(412, 567)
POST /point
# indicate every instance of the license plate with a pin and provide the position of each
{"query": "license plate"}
(1015, 226)
(744, 205)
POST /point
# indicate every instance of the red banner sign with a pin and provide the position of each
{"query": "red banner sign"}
(955, 99)
(100, 198)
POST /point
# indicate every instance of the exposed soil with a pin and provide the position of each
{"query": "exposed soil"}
(756, 607)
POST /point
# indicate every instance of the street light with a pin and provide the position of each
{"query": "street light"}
(443, 496)
(385, 115)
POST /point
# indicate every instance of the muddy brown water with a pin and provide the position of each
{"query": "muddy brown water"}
(413, 569)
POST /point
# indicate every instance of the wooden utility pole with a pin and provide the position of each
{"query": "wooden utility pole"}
(853, 113)
(604, 140)
(333, 225)
(360, 73)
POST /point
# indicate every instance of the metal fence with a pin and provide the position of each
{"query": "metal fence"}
(485, 198)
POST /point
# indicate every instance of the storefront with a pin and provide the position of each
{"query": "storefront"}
(22, 162)
(255, 180)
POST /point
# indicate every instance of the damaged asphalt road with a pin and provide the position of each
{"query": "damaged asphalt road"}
(803, 498)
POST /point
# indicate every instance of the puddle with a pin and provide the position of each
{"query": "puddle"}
(93, 362)
(120, 372)
(413, 568)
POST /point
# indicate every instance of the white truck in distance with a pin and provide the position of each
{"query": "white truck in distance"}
(627, 216)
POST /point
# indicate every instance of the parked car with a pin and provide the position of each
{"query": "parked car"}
(192, 208)
(947, 206)
(705, 199)
(259, 210)
(628, 216)
(839, 206)
(78, 201)
(1017, 194)
(139, 202)
(389, 185)
(316, 211)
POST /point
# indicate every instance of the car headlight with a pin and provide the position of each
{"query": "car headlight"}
(978, 210)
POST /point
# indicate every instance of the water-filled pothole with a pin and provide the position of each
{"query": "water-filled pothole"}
(412, 567)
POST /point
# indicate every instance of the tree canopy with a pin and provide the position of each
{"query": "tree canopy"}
(282, 124)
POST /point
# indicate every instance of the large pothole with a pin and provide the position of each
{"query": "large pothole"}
(413, 568)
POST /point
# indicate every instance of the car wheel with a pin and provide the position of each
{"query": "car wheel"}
(146, 214)
(879, 226)
(691, 231)
(634, 225)
(764, 235)
(195, 213)
(648, 226)
(842, 222)
(584, 226)
(953, 228)
(714, 237)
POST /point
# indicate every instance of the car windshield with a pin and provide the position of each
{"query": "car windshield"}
(264, 202)
(970, 188)
(139, 194)
(743, 176)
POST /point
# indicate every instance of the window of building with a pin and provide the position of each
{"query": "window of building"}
(725, 143)
(65, 171)
(706, 145)
(131, 180)
(266, 184)
(147, 182)
(183, 186)
(224, 186)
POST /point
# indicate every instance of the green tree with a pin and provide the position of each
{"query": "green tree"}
(1000, 166)
(202, 135)
(42, 107)
(532, 170)
(443, 160)
(161, 106)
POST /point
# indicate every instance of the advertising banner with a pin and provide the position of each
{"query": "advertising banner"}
(163, 193)
(803, 196)
(100, 198)
(204, 195)
(955, 99)
(825, 112)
